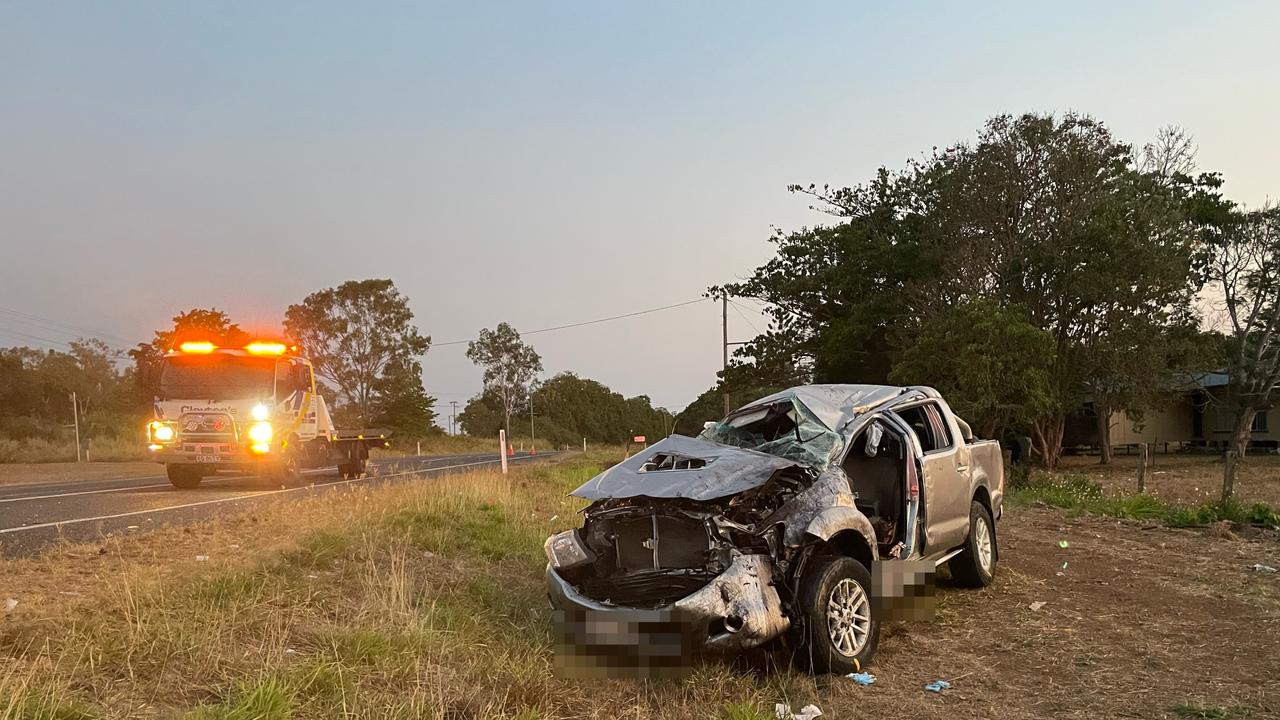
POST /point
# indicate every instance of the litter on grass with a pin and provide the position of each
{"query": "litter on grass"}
(10, 604)
(1064, 544)
(1036, 605)
(784, 712)
(937, 686)
(862, 678)
(1259, 567)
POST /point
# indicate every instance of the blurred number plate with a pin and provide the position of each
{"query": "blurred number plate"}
(207, 458)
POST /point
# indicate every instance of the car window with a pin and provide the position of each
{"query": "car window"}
(929, 426)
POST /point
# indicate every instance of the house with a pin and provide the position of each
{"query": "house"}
(1195, 416)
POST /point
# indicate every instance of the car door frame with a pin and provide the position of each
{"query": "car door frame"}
(946, 480)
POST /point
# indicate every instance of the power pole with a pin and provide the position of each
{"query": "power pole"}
(532, 445)
(453, 422)
(75, 414)
(724, 335)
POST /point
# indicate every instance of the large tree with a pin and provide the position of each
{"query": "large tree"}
(1050, 215)
(1245, 272)
(989, 362)
(510, 366)
(353, 333)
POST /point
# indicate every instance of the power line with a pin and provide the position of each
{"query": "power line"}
(56, 326)
(738, 309)
(586, 322)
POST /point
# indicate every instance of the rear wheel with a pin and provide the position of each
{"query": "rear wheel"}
(184, 476)
(975, 566)
(840, 632)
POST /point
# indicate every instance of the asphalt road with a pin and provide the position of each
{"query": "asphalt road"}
(35, 515)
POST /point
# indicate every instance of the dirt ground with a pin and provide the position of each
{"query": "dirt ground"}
(1184, 479)
(1138, 621)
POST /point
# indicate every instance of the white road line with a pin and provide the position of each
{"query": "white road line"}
(130, 487)
(76, 521)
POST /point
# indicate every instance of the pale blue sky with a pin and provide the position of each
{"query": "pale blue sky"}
(535, 163)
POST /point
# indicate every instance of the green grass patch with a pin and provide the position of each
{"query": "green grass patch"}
(478, 529)
(266, 699)
(1076, 492)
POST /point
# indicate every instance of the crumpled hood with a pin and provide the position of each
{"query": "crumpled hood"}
(728, 471)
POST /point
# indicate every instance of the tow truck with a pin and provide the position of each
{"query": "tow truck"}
(251, 408)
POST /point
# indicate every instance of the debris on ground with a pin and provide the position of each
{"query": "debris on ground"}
(201, 558)
(862, 678)
(1259, 567)
(1064, 544)
(10, 604)
(938, 686)
(1037, 605)
(784, 712)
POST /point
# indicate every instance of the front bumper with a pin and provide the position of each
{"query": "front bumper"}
(739, 609)
(213, 455)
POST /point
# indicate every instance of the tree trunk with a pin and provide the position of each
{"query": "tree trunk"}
(1240, 433)
(1048, 440)
(1104, 434)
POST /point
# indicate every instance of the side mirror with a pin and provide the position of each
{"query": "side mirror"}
(875, 434)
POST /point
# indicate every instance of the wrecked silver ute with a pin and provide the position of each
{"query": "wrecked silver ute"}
(767, 526)
(706, 530)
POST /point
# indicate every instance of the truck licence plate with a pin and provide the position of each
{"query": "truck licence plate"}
(207, 459)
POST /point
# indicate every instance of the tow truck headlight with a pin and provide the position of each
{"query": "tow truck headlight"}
(260, 412)
(260, 432)
(161, 432)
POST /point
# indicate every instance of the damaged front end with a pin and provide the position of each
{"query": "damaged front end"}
(693, 528)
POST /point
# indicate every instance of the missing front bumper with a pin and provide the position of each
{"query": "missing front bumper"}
(739, 609)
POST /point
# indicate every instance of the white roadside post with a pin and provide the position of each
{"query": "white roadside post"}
(584, 444)
(502, 449)
(75, 414)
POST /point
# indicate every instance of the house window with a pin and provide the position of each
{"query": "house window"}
(1259, 422)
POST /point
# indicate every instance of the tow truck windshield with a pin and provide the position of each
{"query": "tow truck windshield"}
(216, 377)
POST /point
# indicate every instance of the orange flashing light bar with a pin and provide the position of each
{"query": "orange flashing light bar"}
(201, 347)
(259, 347)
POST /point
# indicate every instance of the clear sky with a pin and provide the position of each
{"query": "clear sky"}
(538, 163)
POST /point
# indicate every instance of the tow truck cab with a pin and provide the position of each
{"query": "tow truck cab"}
(251, 408)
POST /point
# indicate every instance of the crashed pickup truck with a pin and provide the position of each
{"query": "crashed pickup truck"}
(768, 525)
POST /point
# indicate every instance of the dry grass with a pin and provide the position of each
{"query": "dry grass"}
(426, 599)
(39, 450)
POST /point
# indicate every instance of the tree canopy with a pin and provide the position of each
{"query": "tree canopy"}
(354, 333)
(1046, 232)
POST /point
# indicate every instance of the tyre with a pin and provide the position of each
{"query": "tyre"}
(975, 566)
(184, 476)
(840, 633)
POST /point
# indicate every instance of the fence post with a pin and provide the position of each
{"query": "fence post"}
(1228, 474)
(1144, 453)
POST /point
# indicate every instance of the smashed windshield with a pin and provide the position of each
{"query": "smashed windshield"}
(216, 377)
(786, 429)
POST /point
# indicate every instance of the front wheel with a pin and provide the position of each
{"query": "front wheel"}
(184, 476)
(975, 566)
(840, 632)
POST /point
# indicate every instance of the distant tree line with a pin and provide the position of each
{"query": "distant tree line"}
(359, 335)
(566, 408)
(1044, 266)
